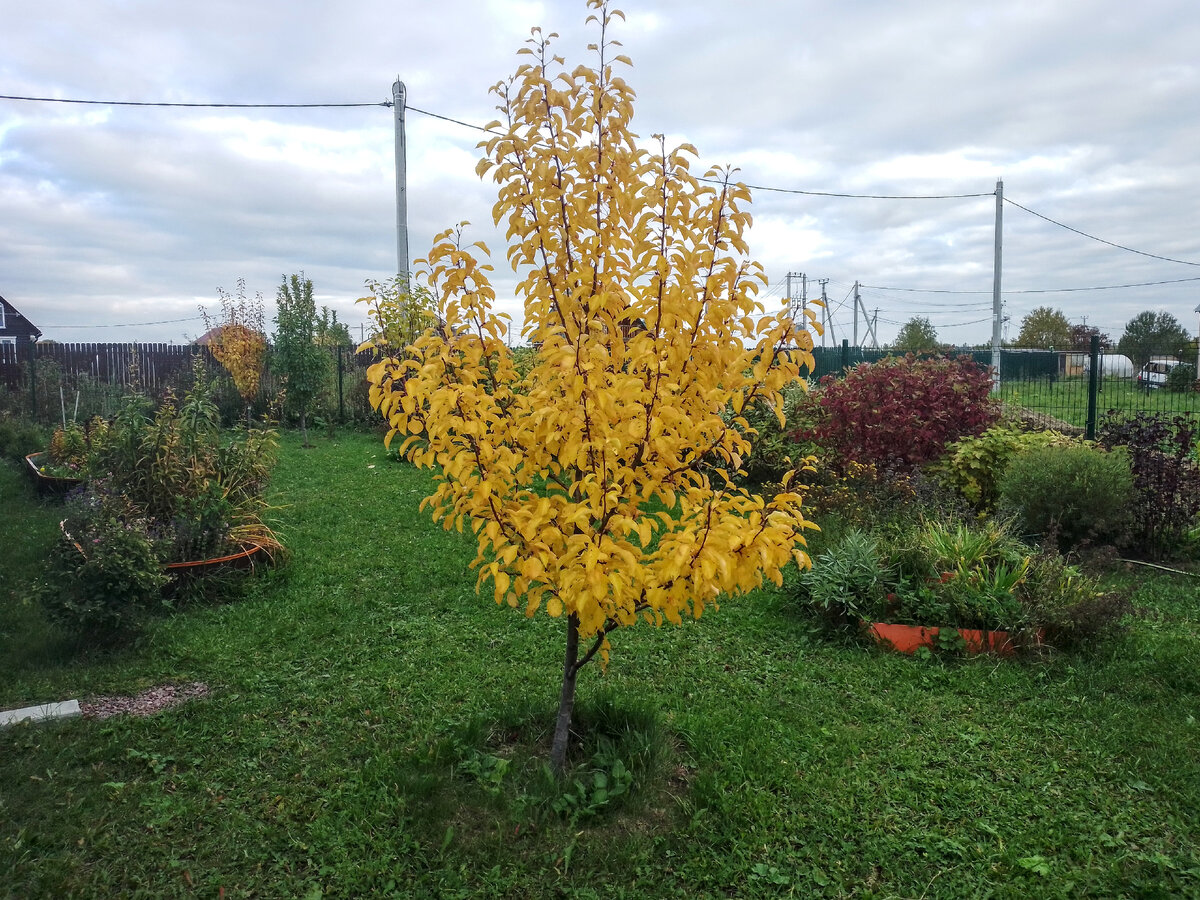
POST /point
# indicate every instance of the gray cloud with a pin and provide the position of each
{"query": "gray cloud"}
(1088, 111)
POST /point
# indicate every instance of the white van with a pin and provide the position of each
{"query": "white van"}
(1154, 373)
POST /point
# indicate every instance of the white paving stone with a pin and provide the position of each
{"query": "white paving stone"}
(64, 710)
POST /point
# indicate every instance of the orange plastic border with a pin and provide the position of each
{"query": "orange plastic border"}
(907, 638)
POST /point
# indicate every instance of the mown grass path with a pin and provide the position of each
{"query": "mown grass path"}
(376, 729)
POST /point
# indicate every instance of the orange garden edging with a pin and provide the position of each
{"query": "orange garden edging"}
(908, 638)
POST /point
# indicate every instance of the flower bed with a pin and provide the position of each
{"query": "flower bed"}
(177, 497)
(954, 586)
(43, 476)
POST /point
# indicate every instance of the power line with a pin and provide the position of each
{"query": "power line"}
(1100, 287)
(760, 187)
(1182, 262)
(425, 112)
(130, 324)
(447, 119)
(194, 105)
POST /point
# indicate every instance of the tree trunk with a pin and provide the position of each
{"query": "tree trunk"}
(566, 702)
(303, 430)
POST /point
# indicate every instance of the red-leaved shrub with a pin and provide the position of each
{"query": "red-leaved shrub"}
(900, 413)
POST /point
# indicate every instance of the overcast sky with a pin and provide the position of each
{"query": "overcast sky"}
(1089, 110)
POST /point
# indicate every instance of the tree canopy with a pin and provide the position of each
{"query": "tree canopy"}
(1045, 329)
(1150, 334)
(917, 336)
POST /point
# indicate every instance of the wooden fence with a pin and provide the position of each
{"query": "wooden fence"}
(39, 379)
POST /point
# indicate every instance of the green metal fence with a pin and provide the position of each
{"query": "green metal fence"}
(1070, 390)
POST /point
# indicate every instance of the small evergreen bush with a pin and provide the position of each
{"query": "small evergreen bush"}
(973, 466)
(1076, 493)
(846, 583)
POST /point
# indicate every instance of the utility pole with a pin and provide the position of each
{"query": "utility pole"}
(825, 314)
(1197, 310)
(398, 102)
(874, 333)
(857, 300)
(997, 307)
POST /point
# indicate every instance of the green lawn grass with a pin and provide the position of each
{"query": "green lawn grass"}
(376, 729)
(1067, 398)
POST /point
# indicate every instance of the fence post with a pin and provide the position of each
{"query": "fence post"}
(1093, 386)
(341, 402)
(845, 355)
(33, 379)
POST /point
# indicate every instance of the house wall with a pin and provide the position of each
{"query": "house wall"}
(15, 326)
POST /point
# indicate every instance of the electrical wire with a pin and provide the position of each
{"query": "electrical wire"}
(1182, 262)
(130, 324)
(194, 105)
(756, 187)
(1100, 287)
(425, 112)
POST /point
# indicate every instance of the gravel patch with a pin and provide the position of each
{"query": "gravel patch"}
(147, 703)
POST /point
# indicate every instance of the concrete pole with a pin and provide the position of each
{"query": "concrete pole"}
(398, 102)
(857, 301)
(1197, 310)
(997, 307)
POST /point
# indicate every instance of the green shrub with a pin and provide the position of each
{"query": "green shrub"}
(1075, 494)
(1069, 607)
(1181, 378)
(19, 437)
(847, 582)
(973, 466)
(104, 575)
(773, 448)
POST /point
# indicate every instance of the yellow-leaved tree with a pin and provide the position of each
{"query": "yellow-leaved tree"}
(238, 340)
(600, 484)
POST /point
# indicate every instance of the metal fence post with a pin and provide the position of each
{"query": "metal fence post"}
(341, 402)
(1093, 386)
(845, 355)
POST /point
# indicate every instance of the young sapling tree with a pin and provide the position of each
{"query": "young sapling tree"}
(300, 360)
(601, 483)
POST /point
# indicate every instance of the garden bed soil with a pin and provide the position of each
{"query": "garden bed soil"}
(908, 638)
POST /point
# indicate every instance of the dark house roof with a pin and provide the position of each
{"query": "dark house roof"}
(13, 324)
